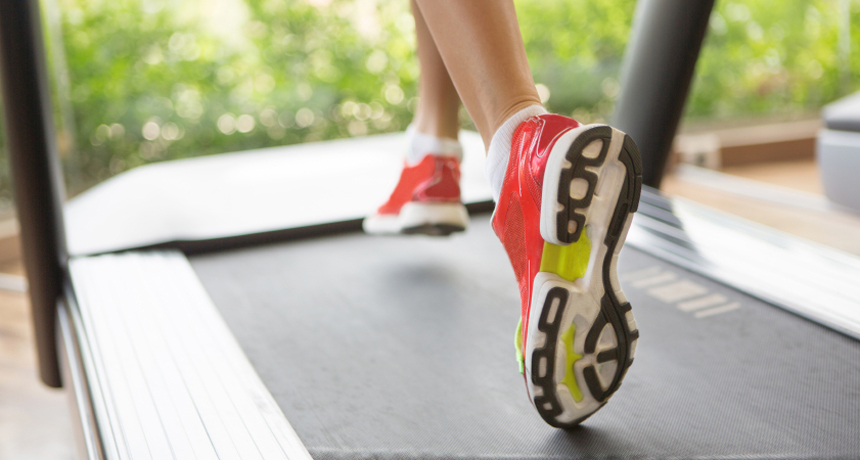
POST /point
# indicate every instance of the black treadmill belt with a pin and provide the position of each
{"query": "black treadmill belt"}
(402, 348)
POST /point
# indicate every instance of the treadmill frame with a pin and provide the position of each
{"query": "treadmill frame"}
(658, 69)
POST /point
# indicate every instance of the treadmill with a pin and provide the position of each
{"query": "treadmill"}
(228, 307)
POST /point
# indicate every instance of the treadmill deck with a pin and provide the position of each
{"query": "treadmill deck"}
(402, 347)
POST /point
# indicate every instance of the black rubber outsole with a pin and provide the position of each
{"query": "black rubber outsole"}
(433, 230)
(612, 311)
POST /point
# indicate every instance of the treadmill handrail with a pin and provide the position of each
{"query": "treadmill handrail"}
(656, 73)
(36, 173)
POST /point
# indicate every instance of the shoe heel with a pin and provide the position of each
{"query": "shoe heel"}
(436, 219)
(571, 180)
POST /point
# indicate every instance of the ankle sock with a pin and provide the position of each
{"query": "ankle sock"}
(421, 145)
(500, 147)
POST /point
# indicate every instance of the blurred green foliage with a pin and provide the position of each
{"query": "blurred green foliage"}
(139, 81)
(776, 57)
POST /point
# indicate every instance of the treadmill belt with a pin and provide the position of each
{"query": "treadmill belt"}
(402, 348)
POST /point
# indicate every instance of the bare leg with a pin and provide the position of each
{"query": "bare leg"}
(438, 100)
(481, 46)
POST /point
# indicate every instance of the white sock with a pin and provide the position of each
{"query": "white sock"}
(421, 145)
(500, 147)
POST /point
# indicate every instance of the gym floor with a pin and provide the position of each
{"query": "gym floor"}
(35, 420)
(787, 196)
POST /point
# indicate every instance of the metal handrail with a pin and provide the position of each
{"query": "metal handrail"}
(36, 173)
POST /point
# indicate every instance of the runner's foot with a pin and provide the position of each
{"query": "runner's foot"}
(565, 205)
(426, 200)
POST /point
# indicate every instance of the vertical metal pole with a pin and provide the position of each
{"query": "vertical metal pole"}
(655, 77)
(36, 174)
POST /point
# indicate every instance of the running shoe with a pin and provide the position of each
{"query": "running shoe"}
(566, 203)
(426, 200)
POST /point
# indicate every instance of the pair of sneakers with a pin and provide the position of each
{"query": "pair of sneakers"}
(566, 203)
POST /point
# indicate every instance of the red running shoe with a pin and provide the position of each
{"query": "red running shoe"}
(426, 200)
(566, 204)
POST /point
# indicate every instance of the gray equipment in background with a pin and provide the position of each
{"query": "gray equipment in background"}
(838, 151)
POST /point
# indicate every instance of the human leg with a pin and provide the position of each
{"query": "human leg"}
(565, 196)
(435, 128)
(481, 46)
(438, 100)
(426, 199)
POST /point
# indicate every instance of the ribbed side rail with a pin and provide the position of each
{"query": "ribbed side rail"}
(172, 381)
(809, 279)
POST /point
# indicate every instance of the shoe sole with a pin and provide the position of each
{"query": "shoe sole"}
(434, 219)
(582, 335)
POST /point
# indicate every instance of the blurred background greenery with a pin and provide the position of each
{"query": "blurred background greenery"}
(140, 81)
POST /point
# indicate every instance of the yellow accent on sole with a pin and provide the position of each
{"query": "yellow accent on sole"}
(569, 379)
(569, 262)
(518, 343)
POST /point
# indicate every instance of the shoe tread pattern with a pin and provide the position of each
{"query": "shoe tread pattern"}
(578, 170)
(547, 404)
(433, 229)
(611, 310)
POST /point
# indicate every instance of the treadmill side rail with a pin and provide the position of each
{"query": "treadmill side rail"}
(168, 379)
(80, 391)
(806, 278)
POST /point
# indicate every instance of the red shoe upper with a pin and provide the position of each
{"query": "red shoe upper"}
(436, 179)
(516, 220)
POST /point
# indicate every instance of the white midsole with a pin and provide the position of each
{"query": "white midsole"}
(583, 304)
(415, 214)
